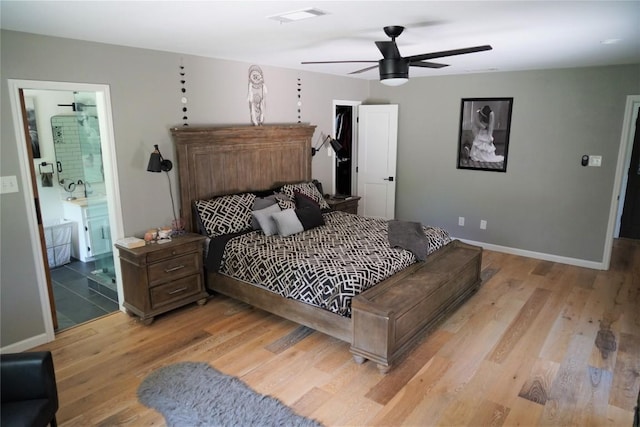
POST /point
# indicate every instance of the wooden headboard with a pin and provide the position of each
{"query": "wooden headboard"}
(232, 159)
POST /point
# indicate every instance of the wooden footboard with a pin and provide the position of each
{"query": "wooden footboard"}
(390, 318)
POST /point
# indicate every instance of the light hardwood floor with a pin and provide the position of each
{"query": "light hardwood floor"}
(541, 343)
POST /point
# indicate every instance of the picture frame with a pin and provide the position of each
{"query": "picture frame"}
(485, 126)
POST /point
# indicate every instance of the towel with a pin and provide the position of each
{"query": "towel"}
(410, 236)
(47, 179)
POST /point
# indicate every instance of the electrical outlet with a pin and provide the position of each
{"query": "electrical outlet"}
(461, 221)
(483, 224)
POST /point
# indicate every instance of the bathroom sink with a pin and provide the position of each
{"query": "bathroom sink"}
(84, 201)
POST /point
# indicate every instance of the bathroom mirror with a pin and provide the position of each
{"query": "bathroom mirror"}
(76, 141)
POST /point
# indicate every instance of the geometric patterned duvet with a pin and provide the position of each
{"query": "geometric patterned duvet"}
(325, 266)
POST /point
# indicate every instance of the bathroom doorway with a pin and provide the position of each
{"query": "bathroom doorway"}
(72, 163)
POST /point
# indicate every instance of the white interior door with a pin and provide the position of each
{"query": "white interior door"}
(377, 146)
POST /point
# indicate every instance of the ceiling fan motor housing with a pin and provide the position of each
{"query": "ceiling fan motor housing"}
(393, 69)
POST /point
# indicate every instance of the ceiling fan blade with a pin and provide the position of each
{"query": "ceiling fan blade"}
(364, 69)
(389, 50)
(427, 64)
(444, 53)
(335, 62)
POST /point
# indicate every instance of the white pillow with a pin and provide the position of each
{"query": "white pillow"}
(287, 222)
(264, 218)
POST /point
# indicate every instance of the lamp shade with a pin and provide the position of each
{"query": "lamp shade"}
(157, 163)
(335, 145)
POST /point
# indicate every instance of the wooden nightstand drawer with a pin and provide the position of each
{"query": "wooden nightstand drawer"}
(175, 291)
(172, 251)
(173, 268)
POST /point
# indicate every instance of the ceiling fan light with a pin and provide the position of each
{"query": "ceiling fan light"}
(393, 72)
(394, 81)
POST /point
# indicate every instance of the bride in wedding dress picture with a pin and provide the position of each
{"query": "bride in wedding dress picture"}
(482, 148)
(485, 124)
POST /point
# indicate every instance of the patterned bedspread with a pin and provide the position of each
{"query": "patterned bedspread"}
(325, 266)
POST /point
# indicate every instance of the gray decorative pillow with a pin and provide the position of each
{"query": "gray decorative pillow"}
(309, 189)
(226, 214)
(265, 220)
(287, 222)
(261, 203)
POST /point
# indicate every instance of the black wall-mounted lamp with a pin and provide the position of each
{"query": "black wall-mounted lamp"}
(334, 144)
(157, 163)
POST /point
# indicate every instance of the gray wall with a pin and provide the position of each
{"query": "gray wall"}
(145, 95)
(546, 201)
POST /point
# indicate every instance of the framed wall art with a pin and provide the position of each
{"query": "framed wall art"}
(483, 142)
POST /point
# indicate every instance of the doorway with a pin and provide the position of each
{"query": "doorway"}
(632, 110)
(345, 119)
(68, 191)
(630, 218)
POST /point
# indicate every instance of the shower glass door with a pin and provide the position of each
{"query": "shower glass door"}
(97, 213)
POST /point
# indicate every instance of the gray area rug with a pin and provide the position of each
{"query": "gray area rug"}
(195, 394)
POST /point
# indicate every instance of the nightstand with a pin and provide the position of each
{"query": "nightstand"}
(159, 277)
(349, 205)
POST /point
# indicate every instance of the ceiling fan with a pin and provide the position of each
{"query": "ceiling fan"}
(394, 69)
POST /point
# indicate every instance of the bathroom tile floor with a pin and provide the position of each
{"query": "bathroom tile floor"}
(75, 301)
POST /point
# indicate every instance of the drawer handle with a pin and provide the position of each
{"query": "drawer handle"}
(178, 291)
(169, 270)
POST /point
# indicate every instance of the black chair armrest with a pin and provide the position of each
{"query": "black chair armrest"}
(26, 376)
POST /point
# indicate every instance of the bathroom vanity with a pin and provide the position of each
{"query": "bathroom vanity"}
(92, 236)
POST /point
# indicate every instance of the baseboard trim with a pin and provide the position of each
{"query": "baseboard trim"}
(538, 255)
(27, 344)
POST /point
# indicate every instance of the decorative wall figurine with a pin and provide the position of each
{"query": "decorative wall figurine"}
(257, 94)
(183, 99)
(299, 104)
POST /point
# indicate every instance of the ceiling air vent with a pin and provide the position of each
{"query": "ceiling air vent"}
(297, 15)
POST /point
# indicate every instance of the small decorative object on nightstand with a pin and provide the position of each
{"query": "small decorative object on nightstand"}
(161, 277)
(344, 203)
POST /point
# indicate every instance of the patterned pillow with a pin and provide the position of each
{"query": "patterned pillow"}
(284, 201)
(309, 189)
(226, 214)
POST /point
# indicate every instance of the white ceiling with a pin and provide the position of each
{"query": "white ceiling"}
(524, 34)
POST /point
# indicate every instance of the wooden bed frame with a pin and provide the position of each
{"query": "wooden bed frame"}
(388, 319)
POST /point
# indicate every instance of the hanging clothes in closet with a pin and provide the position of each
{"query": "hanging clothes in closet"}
(344, 155)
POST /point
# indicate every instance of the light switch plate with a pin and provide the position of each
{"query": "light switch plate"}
(8, 184)
(595, 161)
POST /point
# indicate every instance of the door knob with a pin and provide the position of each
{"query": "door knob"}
(388, 179)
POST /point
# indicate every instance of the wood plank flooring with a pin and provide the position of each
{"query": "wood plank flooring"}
(541, 343)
